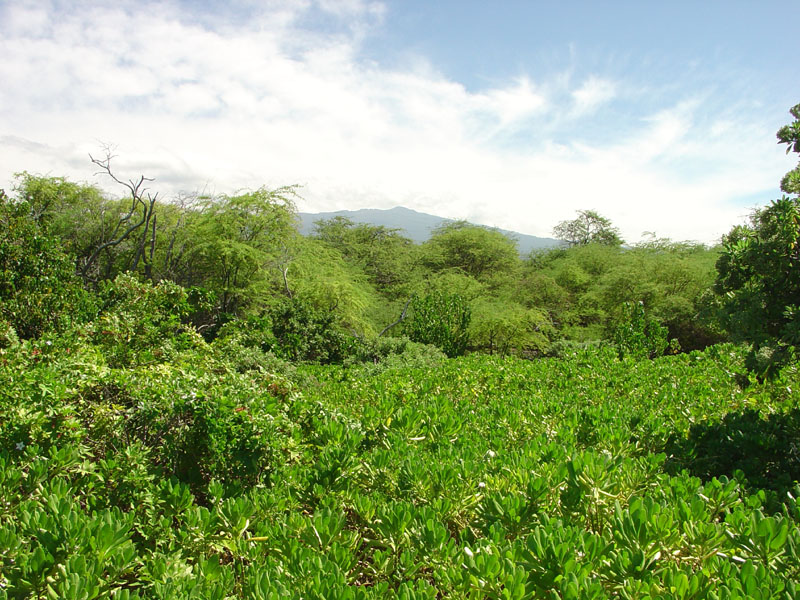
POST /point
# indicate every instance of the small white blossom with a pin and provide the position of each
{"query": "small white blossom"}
(20, 445)
(491, 454)
(482, 485)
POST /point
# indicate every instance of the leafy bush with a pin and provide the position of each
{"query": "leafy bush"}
(758, 283)
(379, 354)
(509, 328)
(639, 335)
(39, 291)
(247, 345)
(304, 333)
(572, 348)
(8, 336)
(141, 323)
(440, 319)
(198, 421)
(486, 477)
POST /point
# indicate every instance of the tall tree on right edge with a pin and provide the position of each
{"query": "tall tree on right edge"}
(758, 273)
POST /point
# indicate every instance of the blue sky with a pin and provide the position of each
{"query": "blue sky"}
(659, 115)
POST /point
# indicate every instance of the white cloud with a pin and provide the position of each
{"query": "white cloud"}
(215, 102)
(592, 94)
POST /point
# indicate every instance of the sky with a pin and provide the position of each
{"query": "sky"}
(661, 116)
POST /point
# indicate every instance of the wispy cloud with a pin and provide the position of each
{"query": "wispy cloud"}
(592, 94)
(282, 93)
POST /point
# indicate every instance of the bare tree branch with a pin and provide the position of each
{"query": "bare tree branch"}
(400, 320)
(124, 228)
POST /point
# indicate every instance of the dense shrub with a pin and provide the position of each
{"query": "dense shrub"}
(639, 335)
(305, 333)
(379, 354)
(140, 323)
(440, 319)
(39, 291)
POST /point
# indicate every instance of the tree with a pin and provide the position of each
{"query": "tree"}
(638, 334)
(138, 224)
(502, 326)
(790, 135)
(479, 252)
(235, 242)
(758, 279)
(79, 215)
(588, 228)
(321, 277)
(758, 274)
(384, 255)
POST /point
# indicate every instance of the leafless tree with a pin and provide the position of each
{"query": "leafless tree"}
(138, 223)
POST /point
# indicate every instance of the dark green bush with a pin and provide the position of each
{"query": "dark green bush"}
(198, 421)
(305, 333)
(639, 335)
(8, 336)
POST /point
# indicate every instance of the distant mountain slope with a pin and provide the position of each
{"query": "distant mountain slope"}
(415, 225)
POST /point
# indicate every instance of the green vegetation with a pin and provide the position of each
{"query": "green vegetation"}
(588, 228)
(198, 402)
(225, 474)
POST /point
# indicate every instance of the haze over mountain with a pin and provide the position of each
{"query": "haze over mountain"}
(415, 225)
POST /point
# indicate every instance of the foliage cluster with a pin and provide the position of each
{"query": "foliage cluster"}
(442, 320)
(240, 257)
(485, 477)
(758, 273)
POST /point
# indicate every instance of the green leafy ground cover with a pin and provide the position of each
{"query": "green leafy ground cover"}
(199, 472)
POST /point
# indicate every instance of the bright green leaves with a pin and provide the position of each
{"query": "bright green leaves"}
(637, 334)
(440, 319)
(232, 243)
(479, 252)
(486, 477)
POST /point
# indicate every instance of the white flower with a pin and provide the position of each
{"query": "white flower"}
(491, 454)
(482, 485)
(49, 343)
(20, 445)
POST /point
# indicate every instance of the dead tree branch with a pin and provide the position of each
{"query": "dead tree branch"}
(141, 200)
(400, 320)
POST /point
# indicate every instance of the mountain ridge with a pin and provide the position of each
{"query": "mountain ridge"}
(415, 225)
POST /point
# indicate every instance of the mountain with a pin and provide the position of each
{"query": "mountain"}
(414, 225)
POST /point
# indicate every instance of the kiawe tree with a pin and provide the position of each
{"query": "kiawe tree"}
(588, 228)
(477, 251)
(236, 242)
(382, 253)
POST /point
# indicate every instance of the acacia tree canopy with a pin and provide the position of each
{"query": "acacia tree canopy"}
(477, 251)
(588, 228)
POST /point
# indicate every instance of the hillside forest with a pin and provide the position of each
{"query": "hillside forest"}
(197, 401)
